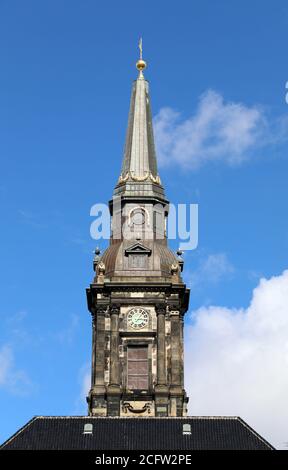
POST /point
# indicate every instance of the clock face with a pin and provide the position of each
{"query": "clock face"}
(138, 318)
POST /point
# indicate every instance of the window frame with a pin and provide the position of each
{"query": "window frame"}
(146, 360)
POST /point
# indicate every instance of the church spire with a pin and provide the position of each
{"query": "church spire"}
(139, 165)
(138, 298)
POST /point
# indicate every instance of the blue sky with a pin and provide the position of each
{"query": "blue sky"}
(65, 82)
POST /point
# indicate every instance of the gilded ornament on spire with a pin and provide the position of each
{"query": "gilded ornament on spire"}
(141, 64)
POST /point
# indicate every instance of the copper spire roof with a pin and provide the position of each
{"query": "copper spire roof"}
(139, 153)
(139, 174)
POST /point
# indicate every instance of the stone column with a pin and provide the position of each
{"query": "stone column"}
(114, 346)
(113, 389)
(176, 349)
(161, 346)
(176, 386)
(182, 348)
(93, 350)
(99, 348)
(96, 400)
(161, 389)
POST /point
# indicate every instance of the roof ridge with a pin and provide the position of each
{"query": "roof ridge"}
(255, 433)
(16, 434)
(234, 417)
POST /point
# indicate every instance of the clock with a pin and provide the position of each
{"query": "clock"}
(138, 318)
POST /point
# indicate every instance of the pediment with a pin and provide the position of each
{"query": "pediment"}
(137, 248)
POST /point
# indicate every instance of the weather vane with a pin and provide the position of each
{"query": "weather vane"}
(140, 47)
(141, 64)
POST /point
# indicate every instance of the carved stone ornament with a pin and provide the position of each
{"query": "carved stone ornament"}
(155, 180)
(174, 307)
(100, 309)
(126, 406)
(101, 267)
(174, 268)
(96, 258)
(160, 309)
(123, 179)
(114, 309)
(129, 175)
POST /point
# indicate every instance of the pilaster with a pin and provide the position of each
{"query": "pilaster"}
(96, 399)
(113, 389)
(161, 388)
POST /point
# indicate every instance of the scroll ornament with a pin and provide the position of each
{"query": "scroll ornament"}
(128, 407)
(101, 268)
(174, 268)
(148, 175)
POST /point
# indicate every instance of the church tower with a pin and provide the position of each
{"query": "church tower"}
(137, 298)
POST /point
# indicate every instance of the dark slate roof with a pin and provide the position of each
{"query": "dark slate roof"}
(207, 432)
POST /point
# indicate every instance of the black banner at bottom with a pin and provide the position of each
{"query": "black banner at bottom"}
(124, 459)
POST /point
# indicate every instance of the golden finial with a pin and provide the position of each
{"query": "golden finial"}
(140, 64)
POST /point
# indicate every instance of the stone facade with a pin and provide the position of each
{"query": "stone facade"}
(162, 336)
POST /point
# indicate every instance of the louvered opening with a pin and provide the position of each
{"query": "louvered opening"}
(137, 366)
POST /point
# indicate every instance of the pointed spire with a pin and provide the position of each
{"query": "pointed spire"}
(139, 163)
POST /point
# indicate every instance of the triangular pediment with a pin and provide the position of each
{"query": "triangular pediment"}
(137, 248)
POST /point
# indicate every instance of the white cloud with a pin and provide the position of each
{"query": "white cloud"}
(12, 379)
(237, 360)
(218, 131)
(212, 269)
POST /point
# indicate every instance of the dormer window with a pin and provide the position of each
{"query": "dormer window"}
(138, 256)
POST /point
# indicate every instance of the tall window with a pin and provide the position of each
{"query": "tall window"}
(137, 368)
